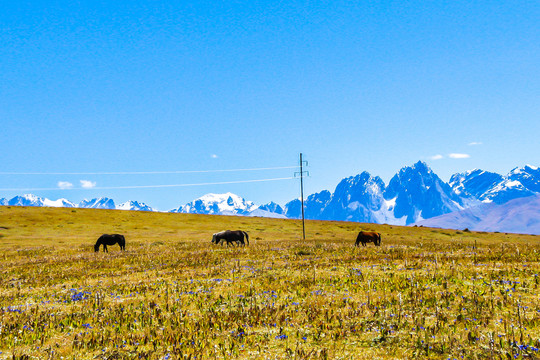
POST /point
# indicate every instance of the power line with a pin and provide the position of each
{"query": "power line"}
(150, 186)
(147, 172)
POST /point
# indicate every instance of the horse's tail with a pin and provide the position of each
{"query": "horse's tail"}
(247, 237)
(379, 234)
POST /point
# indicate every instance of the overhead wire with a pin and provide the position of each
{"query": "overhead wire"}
(149, 186)
(148, 172)
(60, 188)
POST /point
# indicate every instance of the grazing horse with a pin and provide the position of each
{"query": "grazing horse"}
(231, 237)
(365, 237)
(112, 239)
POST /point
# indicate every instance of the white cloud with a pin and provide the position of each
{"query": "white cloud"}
(459, 156)
(65, 185)
(87, 184)
(214, 156)
(436, 157)
(474, 143)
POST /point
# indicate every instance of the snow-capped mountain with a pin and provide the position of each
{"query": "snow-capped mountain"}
(356, 198)
(230, 204)
(478, 185)
(26, 200)
(420, 194)
(218, 204)
(528, 176)
(520, 215)
(273, 208)
(134, 205)
(313, 206)
(33, 200)
(259, 212)
(58, 203)
(98, 203)
(414, 193)
(474, 184)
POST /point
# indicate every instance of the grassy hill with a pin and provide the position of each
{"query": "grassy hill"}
(172, 294)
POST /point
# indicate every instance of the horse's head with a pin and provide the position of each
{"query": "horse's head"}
(214, 239)
(96, 247)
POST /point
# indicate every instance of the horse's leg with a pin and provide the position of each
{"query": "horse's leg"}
(105, 248)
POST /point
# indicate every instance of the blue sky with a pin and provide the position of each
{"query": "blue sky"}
(100, 87)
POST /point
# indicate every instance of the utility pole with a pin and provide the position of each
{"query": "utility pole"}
(302, 172)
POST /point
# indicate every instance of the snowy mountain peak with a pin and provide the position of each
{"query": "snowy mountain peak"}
(98, 203)
(134, 205)
(474, 183)
(26, 200)
(419, 167)
(225, 204)
(413, 194)
(419, 193)
(523, 170)
(273, 208)
(58, 203)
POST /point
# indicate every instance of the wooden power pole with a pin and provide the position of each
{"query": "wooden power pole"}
(302, 172)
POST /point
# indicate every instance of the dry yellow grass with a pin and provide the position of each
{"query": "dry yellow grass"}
(172, 295)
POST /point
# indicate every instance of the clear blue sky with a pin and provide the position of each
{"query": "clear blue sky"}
(118, 86)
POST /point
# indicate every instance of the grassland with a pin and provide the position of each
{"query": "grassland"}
(425, 293)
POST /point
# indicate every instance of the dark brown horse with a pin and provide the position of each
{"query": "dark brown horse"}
(231, 237)
(365, 237)
(111, 239)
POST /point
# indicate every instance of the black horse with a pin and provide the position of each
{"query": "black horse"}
(365, 237)
(111, 239)
(231, 237)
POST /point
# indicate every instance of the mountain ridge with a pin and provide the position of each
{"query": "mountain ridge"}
(415, 193)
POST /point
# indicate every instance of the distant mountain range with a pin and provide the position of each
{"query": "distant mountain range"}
(214, 204)
(520, 215)
(98, 203)
(414, 193)
(412, 196)
(229, 204)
